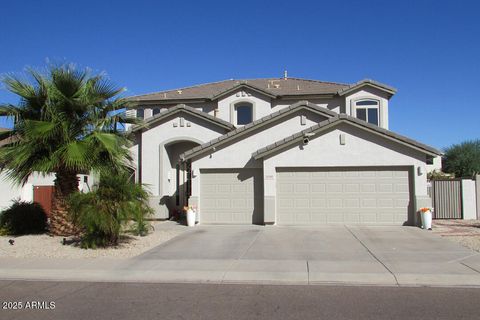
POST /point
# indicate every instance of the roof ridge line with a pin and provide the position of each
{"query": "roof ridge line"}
(320, 81)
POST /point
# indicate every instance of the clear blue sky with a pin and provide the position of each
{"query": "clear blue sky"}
(428, 50)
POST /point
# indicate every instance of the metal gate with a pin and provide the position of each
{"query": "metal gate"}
(446, 198)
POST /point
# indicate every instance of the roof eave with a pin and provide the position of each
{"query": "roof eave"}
(186, 109)
(306, 96)
(155, 102)
(371, 83)
(282, 144)
(260, 123)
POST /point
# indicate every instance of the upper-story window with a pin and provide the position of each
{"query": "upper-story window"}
(155, 111)
(140, 113)
(368, 110)
(244, 113)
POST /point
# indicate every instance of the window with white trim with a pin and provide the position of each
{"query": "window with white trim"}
(155, 111)
(368, 110)
(244, 113)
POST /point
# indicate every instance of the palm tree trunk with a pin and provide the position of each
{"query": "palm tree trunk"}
(66, 182)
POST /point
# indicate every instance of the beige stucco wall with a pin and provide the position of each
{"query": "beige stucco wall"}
(469, 199)
(10, 191)
(477, 194)
(361, 149)
(155, 164)
(368, 93)
(264, 105)
(238, 155)
(436, 166)
(336, 104)
(260, 102)
(156, 137)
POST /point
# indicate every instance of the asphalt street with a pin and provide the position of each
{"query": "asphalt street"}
(87, 300)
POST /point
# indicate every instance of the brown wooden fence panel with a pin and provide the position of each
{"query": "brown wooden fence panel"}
(446, 198)
(43, 195)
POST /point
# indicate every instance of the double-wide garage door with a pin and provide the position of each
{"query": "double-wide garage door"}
(231, 196)
(310, 196)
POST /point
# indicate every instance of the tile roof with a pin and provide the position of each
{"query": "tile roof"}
(255, 124)
(344, 118)
(271, 86)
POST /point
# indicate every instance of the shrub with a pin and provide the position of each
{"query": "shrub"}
(23, 218)
(436, 175)
(104, 212)
(463, 159)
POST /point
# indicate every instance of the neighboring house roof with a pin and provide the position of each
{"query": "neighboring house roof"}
(342, 118)
(183, 108)
(368, 82)
(273, 87)
(255, 125)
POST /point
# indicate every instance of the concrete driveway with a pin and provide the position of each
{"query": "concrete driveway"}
(377, 255)
(347, 255)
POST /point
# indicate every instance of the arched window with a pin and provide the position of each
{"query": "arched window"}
(368, 110)
(244, 113)
(155, 111)
(140, 113)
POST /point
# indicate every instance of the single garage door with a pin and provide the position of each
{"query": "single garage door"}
(231, 196)
(343, 195)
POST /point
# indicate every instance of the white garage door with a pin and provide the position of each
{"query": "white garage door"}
(343, 195)
(231, 196)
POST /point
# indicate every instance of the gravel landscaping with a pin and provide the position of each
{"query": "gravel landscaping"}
(464, 232)
(46, 246)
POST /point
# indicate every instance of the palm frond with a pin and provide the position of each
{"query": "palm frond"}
(66, 119)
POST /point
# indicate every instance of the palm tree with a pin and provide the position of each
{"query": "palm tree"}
(67, 122)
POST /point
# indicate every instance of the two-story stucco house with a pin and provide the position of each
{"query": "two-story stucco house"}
(281, 151)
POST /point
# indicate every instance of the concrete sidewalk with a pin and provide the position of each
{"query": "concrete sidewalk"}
(350, 255)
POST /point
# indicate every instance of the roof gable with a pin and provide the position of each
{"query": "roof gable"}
(187, 109)
(324, 125)
(368, 82)
(243, 86)
(255, 125)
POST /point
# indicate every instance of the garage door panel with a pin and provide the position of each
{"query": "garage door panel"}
(351, 203)
(318, 203)
(351, 187)
(318, 218)
(231, 196)
(343, 195)
(318, 188)
(367, 188)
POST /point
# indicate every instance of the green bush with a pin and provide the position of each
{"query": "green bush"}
(23, 218)
(463, 159)
(103, 213)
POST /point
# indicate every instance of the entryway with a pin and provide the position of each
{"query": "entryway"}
(178, 174)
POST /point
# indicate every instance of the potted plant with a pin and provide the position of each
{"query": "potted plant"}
(191, 213)
(426, 216)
